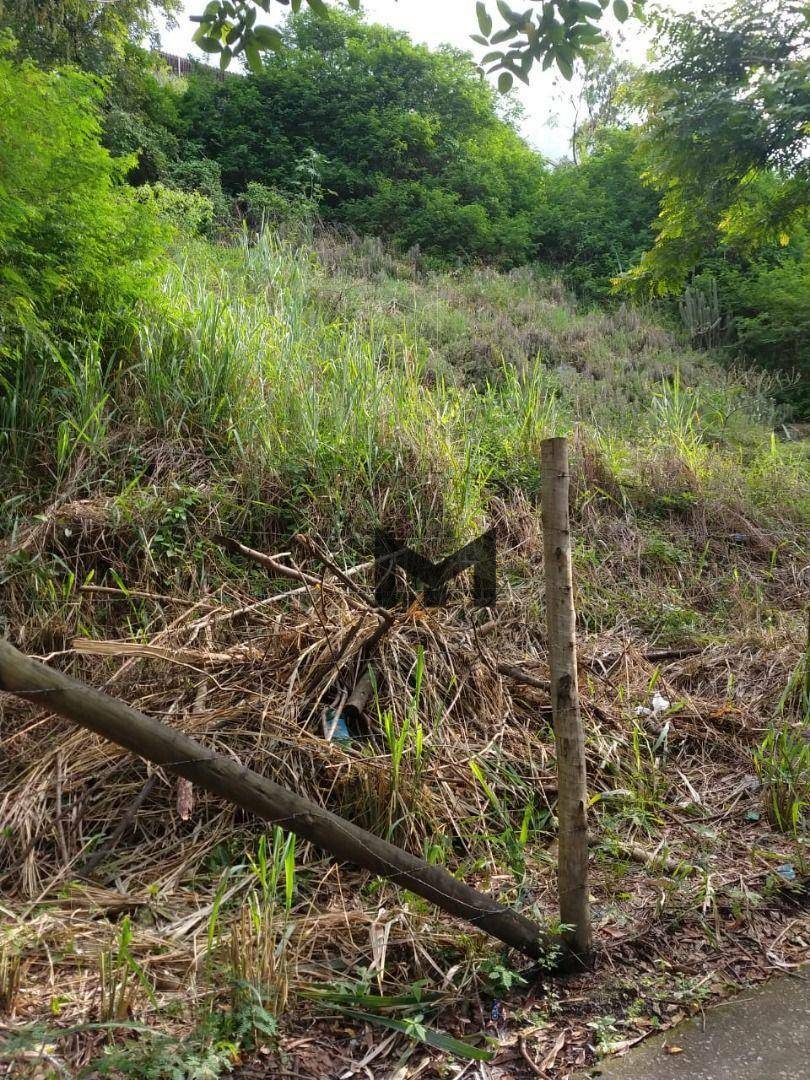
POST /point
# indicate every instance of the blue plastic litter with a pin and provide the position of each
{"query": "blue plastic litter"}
(340, 733)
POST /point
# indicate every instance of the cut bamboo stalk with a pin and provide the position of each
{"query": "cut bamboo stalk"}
(569, 735)
(359, 697)
(161, 744)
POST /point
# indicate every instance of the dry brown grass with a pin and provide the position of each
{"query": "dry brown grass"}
(255, 687)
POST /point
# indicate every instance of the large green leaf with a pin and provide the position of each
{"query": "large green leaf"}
(506, 34)
(484, 19)
(514, 18)
(621, 10)
(266, 37)
(565, 66)
(206, 43)
(254, 57)
(437, 1039)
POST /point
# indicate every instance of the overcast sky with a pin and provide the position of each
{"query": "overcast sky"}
(548, 114)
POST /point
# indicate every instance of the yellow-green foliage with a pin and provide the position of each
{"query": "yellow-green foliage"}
(75, 244)
(78, 249)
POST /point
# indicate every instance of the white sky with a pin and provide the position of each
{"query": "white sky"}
(433, 22)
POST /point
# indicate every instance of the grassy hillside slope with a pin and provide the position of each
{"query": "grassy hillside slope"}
(272, 388)
(275, 388)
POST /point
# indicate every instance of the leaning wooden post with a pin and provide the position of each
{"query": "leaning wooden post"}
(572, 798)
(157, 742)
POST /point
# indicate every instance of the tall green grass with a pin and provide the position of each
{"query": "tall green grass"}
(326, 412)
(324, 398)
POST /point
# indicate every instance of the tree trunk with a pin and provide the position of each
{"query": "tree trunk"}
(572, 798)
(161, 744)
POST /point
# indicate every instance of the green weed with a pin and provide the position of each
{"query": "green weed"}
(259, 937)
(121, 977)
(782, 762)
(406, 750)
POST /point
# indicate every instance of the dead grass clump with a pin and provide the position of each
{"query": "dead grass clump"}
(538, 343)
(476, 359)
(450, 757)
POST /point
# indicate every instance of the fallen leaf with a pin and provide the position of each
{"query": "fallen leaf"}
(551, 1056)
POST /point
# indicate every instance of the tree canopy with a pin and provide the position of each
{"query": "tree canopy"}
(594, 218)
(87, 33)
(692, 173)
(549, 32)
(75, 239)
(727, 135)
(410, 143)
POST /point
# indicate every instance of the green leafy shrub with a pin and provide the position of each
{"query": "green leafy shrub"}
(767, 304)
(75, 241)
(204, 177)
(435, 220)
(594, 219)
(78, 248)
(189, 211)
(410, 142)
(263, 206)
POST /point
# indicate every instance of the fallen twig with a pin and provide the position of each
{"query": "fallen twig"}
(101, 853)
(643, 855)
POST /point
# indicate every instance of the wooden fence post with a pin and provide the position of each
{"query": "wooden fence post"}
(572, 798)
